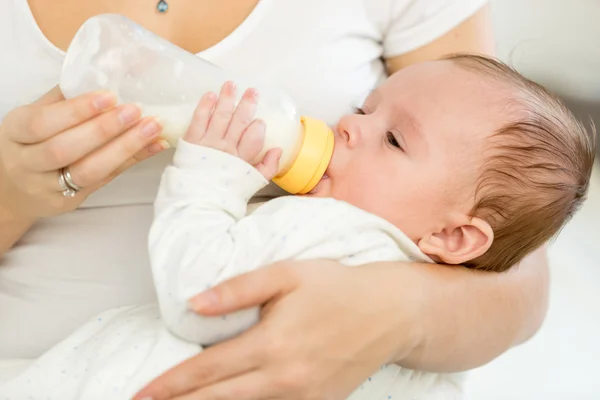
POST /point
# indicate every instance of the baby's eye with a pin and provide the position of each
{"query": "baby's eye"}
(392, 140)
(359, 111)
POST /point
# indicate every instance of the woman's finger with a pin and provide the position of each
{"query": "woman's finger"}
(221, 116)
(103, 162)
(252, 141)
(199, 124)
(52, 96)
(244, 291)
(74, 144)
(254, 385)
(48, 120)
(150, 150)
(226, 360)
(242, 117)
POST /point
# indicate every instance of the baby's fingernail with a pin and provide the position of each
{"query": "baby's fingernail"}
(210, 96)
(230, 86)
(203, 301)
(253, 94)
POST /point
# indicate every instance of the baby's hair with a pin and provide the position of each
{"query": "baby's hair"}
(537, 170)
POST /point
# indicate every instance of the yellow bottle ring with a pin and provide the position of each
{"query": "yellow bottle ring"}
(312, 160)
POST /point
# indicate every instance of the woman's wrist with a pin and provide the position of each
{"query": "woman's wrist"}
(413, 316)
(436, 300)
(12, 225)
(399, 303)
(462, 319)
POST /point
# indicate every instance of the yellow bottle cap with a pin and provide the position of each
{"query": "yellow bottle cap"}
(312, 160)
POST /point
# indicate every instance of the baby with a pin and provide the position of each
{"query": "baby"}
(459, 161)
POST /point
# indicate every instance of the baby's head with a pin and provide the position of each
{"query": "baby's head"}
(475, 163)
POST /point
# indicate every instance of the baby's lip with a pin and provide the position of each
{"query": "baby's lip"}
(325, 176)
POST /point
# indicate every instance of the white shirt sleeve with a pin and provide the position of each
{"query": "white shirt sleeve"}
(193, 244)
(407, 25)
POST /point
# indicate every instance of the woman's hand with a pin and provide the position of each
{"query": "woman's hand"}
(88, 135)
(324, 329)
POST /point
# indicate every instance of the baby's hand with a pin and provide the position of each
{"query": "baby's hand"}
(218, 125)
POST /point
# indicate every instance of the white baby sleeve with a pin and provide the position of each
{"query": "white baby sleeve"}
(201, 198)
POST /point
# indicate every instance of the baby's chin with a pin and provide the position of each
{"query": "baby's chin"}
(323, 188)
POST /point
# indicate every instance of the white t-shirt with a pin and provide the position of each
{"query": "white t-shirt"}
(326, 54)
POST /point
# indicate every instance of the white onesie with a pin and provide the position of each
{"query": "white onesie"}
(200, 237)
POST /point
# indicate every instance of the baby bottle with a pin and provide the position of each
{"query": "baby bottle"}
(113, 53)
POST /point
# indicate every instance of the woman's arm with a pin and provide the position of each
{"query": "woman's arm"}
(429, 317)
(481, 314)
(474, 35)
(12, 228)
(469, 317)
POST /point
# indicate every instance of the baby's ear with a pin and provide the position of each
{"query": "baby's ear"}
(458, 244)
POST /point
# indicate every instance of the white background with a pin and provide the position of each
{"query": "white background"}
(556, 42)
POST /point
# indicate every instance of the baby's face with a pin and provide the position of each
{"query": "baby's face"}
(412, 154)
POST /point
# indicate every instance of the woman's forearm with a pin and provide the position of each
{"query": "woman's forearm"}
(12, 228)
(469, 317)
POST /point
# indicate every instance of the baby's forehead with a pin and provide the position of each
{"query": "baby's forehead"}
(449, 79)
(453, 103)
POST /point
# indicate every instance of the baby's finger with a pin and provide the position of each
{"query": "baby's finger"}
(199, 124)
(252, 141)
(221, 116)
(242, 117)
(269, 166)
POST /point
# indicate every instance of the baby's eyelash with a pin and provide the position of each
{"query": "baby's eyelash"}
(392, 140)
(389, 136)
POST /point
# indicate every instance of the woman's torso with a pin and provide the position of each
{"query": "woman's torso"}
(325, 53)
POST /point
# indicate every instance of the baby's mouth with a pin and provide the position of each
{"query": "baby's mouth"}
(314, 190)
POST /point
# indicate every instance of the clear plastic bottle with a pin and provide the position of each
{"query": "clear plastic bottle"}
(113, 53)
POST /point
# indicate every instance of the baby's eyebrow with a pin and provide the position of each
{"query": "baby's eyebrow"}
(373, 96)
(409, 121)
(410, 124)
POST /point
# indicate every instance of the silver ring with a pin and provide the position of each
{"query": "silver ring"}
(67, 190)
(69, 180)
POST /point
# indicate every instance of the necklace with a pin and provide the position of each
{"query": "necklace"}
(162, 6)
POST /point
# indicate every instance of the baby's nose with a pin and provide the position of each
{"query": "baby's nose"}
(349, 130)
